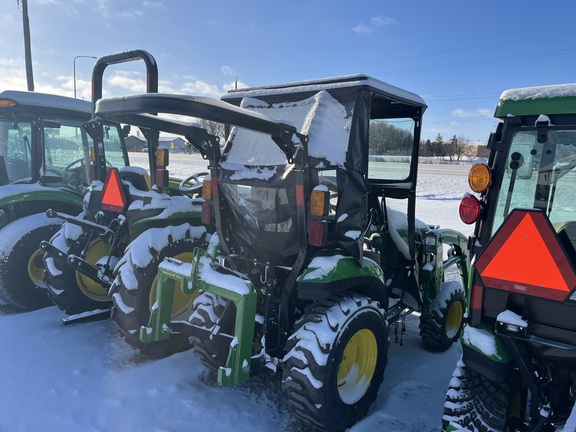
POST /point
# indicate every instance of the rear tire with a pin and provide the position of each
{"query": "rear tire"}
(134, 288)
(206, 310)
(21, 265)
(336, 360)
(475, 403)
(68, 289)
(442, 325)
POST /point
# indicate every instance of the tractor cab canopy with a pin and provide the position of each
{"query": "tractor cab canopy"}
(535, 156)
(350, 138)
(363, 137)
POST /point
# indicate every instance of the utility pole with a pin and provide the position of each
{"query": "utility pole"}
(27, 46)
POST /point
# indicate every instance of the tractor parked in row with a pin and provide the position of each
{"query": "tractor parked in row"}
(518, 368)
(311, 259)
(45, 159)
(127, 203)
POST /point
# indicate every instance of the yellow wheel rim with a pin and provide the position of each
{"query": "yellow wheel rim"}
(182, 302)
(454, 319)
(88, 286)
(36, 267)
(356, 369)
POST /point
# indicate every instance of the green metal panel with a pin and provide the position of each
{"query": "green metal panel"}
(483, 340)
(344, 268)
(536, 106)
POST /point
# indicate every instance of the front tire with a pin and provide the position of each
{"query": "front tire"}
(336, 360)
(21, 265)
(442, 325)
(134, 288)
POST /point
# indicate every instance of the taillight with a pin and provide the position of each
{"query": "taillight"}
(207, 188)
(479, 177)
(113, 197)
(318, 233)
(319, 201)
(162, 157)
(206, 216)
(469, 209)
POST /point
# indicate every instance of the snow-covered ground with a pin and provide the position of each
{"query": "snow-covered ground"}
(84, 377)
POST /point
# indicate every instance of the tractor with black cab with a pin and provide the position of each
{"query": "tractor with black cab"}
(316, 249)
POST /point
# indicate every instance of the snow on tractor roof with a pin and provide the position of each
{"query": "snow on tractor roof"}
(342, 82)
(45, 100)
(540, 100)
(540, 92)
(321, 117)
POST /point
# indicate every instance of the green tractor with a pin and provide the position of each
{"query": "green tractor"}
(311, 259)
(518, 366)
(44, 163)
(81, 257)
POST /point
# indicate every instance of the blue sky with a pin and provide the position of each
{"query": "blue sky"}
(459, 56)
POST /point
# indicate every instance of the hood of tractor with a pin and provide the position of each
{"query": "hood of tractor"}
(528, 256)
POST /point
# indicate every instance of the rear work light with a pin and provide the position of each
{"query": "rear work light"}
(469, 209)
(479, 177)
(319, 201)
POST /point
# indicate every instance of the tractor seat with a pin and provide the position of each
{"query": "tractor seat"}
(137, 176)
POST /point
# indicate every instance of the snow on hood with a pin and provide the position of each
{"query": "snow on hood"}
(321, 117)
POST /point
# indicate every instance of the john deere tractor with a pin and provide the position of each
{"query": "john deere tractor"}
(127, 203)
(44, 163)
(310, 262)
(518, 368)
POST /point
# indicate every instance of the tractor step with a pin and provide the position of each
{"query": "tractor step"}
(94, 315)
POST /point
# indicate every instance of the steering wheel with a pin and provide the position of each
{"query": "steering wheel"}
(72, 165)
(196, 183)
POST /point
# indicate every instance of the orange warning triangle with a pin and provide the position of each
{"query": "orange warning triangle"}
(525, 256)
(113, 197)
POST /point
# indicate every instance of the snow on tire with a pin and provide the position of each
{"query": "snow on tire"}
(21, 266)
(71, 291)
(475, 403)
(442, 325)
(206, 311)
(134, 287)
(335, 361)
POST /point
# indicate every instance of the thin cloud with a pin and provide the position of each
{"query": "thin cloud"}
(227, 70)
(383, 21)
(480, 112)
(361, 28)
(375, 22)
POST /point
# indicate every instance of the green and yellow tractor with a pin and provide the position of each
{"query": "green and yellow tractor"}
(518, 366)
(316, 249)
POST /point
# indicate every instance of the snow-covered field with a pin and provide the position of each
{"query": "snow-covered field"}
(84, 377)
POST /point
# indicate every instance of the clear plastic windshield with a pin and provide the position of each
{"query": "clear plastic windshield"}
(540, 175)
(15, 148)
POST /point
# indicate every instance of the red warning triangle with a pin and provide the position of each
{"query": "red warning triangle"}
(113, 197)
(525, 256)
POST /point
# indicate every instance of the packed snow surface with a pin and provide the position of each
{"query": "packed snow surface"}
(84, 377)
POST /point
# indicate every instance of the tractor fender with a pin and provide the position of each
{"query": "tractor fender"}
(330, 274)
(485, 352)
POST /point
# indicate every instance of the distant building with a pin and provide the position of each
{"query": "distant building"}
(134, 143)
(174, 144)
